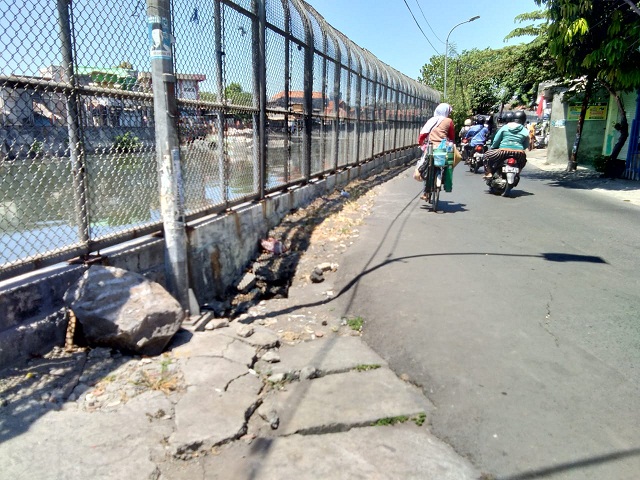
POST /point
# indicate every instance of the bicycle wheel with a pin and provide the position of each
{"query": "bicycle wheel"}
(435, 195)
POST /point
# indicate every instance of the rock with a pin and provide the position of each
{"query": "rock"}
(216, 323)
(307, 373)
(271, 417)
(271, 357)
(244, 331)
(124, 310)
(247, 282)
(100, 353)
(316, 276)
(277, 377)
(325, 267)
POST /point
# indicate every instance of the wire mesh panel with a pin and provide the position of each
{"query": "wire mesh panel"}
(319, 133)
(267, 94)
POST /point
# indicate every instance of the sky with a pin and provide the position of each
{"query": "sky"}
(387, 29)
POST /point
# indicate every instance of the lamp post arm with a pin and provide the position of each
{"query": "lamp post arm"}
(446, 50)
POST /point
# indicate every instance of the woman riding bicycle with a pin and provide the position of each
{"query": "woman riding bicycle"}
(437, 128)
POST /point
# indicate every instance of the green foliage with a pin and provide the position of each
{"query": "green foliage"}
(597, 39)
(208, 96)
(126, 142)
(355, 323)
(236, 96)
(366, 367)
(599, 163)
(482, 81)
(383, 422)
(35, 148)
(418, 419)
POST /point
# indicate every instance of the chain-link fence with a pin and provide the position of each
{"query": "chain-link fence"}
(268, 95)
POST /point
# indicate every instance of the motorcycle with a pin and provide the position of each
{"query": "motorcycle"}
(505, 179)
(541, 141)
(465, 151)
(477, 159)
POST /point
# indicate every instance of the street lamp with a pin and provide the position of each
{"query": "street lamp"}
(446, 50)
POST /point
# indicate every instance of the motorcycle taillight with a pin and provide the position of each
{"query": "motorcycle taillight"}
(478, 148)
(512, 162)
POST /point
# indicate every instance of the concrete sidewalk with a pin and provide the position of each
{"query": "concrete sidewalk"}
(622, 190)
(211, 408)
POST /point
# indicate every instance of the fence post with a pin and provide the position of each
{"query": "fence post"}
(336, 105)
(223, 165)
(259, 96)
(308, 97)
(168, 149)
(73, 125)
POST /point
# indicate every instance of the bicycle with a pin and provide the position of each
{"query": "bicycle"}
(433, 180)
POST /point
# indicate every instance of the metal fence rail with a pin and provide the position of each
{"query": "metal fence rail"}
(268, 95)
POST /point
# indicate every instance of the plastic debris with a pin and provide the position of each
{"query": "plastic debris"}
(274, 246)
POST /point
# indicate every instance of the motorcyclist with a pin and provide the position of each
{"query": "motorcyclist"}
(476, 128)
(480, 138)
(472, 132)
(512, 140)
(465, 129)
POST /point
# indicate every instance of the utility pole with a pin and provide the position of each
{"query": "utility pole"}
(168, 149)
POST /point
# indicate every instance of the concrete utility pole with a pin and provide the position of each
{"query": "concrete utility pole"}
(168, 149)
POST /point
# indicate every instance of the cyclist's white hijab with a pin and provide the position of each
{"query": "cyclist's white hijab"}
(442, 111)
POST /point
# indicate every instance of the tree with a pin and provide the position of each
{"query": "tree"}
(126, 65)
(596, 40)
(236, 96)
(208, 96)
(485, 80)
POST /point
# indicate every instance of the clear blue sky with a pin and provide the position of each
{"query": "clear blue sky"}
(387, 29)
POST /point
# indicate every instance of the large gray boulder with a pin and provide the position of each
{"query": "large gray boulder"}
(124, 310)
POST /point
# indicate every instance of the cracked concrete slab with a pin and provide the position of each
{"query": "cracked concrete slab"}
(216, 344)
(69, 444)
(261, 337)
(331, 355)
(337, 402)
(214, 372)
(204, 419)
(399, 452)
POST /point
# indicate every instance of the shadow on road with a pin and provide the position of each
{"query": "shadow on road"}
(446, 207)
(564, 467)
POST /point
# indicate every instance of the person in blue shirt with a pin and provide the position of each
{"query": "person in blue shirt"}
(476, 128)
(481, 137)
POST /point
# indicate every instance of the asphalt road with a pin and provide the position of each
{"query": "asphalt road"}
(519, 318)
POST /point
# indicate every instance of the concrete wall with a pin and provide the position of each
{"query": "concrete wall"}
(562, 135)
(32, 314)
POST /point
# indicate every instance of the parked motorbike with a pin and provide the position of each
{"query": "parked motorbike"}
(505, 179)
(541, 141)
(541, 137)
(477, 159)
